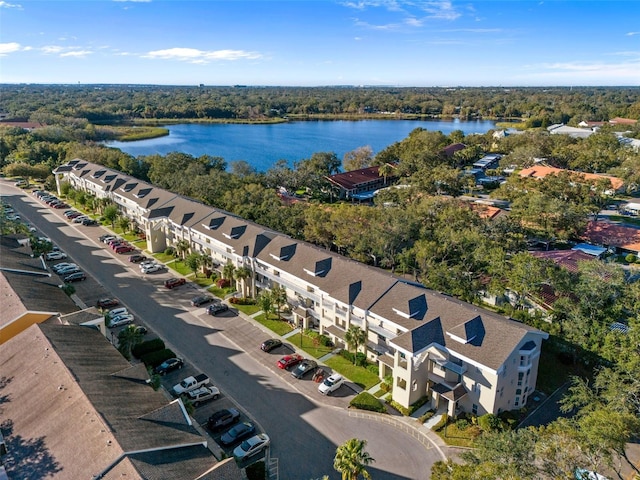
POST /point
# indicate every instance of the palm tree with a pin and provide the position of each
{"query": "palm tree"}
(351, 459)
(241, 274)
(182, 247)
(384, 171)
(265, 300)
(124, 223)
(206, 262)
(355, 337)
(227, 271)
(279, 295)
(128, 337)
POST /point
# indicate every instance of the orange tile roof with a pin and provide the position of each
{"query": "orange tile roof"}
(541, 171)
(611, 234)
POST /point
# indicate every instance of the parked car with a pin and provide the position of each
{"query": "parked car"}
(289, 360)
(55, 256)
(73, 215)
(145, 263)
(59, 266)
(331, 384)
(106, 238)
(124, 249)
(120, 320)
(223, 418)
(141, 330)
(216, 308)
(201, 300)
(75, 277)
(137, 258)
(203, 394)
(61, 205)
(107, 302)
(174, 282)
(89, 222)
(304, 367)
(251, 446)
(117, 311)
(68, 271)
(169, 366)
(80, 219)
(270, 344)
(152, 268)
(237, 433)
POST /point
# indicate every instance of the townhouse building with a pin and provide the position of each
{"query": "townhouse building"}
(461, 357)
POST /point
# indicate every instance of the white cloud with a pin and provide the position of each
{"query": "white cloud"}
(76, 53)
(623, 73)
(6, 48)
(631, 34)
(4, 4)
(51, 49)
(194, 55)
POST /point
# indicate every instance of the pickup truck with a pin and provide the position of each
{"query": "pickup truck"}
(202, 395)
(190, 383)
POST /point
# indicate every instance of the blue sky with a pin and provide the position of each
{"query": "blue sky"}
(314, 43)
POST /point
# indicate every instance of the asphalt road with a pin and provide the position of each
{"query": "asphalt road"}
(305, 427)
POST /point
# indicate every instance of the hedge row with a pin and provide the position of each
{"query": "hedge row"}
(242, 301)
(366, 401)
(147, 347)
(154, 359)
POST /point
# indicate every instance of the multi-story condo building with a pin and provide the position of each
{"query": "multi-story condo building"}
(462, 357)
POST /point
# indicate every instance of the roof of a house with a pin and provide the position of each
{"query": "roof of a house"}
(567, 259)
(351, 180)
(623, 121)
(25, 283)
(612, 234)
(449, 150)
(541, 171)
(71, 393)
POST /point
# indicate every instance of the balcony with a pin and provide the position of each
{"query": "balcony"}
(383, 332)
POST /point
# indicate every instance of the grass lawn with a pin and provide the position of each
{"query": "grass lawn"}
(247, 309)
(278, 326)
(164, 258)
(359, 375)
(180, 267)
(309, 347)
(220, 292)
(459, 438)
(202, 281)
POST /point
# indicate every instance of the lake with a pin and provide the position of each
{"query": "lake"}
(263, 145)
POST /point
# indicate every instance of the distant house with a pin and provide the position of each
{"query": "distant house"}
(541, 171)
(449, 150)
(588, 124)
(487, 162)
(609, 234)
(567, 259)
(575, 132)
(622, 121)
(359, 184)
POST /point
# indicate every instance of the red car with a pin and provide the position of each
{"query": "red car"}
(174, 282)
(124, 249)
(289, 361)
(107, 303)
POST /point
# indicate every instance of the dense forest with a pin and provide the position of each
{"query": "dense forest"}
(426, 230)
(121, 103)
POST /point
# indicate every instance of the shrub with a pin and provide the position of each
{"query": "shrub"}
(427, 415)
(403, 410)
(223, 283)
(462, 424)
(147, 347)
(325, 341)
(256, 471)
(630, 258)
(242, 301)
(489, 422)
(154, 359)
(361, 358)
(170, 251)
(443, 421)
(366, 401)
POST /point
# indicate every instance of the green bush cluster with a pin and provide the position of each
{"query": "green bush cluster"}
(427, 415)
(242, 301)
(170, 251)
(361, 358)
(147, 347)
(154, 359)
(366, 401)
(489, 422)
(403, 410)
(443, 421)
(630, 258)
(223, 283)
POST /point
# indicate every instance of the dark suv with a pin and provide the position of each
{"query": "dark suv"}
(223, 418)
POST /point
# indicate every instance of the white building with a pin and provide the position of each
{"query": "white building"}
(460, 356)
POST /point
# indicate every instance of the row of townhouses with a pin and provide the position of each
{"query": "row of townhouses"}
(463, 358)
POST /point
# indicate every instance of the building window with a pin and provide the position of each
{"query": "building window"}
(414, 385)
(517, 402)
(520, 376)
(310, 289)
(276, 273)
(474, 409)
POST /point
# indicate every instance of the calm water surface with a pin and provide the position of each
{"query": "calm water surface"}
(263, 145)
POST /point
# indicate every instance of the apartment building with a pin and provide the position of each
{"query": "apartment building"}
(462, 357)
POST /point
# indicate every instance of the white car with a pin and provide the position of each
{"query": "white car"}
(251, 446)
(60, 266)
(331, 384)
(55, 255)
(117, 311)
(154, 267)
(80, 219)
(120, 320)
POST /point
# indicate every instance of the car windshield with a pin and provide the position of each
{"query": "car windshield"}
(245, 446)
(235, 431)
(328, 382)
